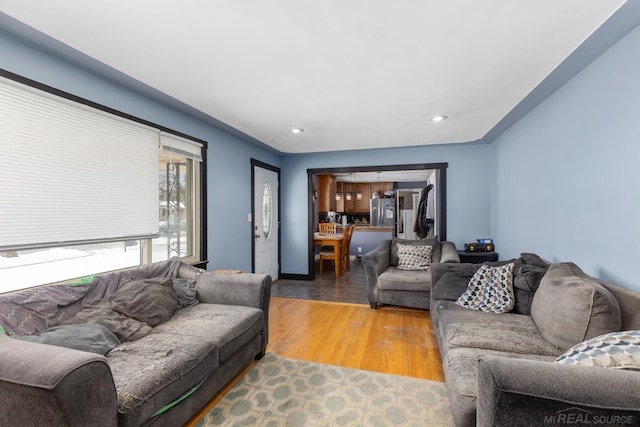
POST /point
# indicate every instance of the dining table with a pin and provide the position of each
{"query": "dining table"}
(331, 239)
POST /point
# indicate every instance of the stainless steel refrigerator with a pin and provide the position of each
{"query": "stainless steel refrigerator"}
(383, 212)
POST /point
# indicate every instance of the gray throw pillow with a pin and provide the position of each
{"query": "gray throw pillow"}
(533, 259)
(152, 301)
(526, 280)
(570, 307)
(186, 292)
(124, 327)
(89, 337)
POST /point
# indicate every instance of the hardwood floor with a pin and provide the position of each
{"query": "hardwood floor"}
(392, 340)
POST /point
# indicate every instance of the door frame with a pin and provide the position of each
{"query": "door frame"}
(441, 179)
(257, 163)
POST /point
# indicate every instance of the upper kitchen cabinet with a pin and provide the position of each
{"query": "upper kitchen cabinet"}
(381, 188)
(326, 193)
(362, 196)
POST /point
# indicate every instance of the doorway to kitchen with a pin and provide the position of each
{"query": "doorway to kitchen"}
(265, 219)
(423, 173)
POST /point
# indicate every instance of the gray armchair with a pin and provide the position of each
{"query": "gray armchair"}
(389, 285)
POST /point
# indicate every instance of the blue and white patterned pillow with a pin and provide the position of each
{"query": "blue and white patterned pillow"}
(414, 257)
(618, 350)
(490, 290)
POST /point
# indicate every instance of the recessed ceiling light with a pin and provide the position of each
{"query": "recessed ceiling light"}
(297, 130)
(439, 118)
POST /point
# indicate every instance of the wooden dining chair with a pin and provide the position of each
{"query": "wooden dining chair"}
(346, 255)
(327, 253)
(327, 227)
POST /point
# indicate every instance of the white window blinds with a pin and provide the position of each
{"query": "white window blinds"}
(72, 173)
(190, 149)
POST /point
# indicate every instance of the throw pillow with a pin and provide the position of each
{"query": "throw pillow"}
(124, 327)
(152, 301)
(430, 241)
(618, 350)
(490, 290)
(570, 307)
(89, 337)
(186, 292)
(526, 280)
(414, 257)
(533, 259)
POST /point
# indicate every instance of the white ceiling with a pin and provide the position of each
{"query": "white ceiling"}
(354, 74)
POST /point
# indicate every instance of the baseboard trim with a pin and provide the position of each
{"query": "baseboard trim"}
(296, 276)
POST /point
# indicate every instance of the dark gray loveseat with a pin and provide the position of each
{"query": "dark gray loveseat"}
(389, 285)
(500, 368)
(160, 375)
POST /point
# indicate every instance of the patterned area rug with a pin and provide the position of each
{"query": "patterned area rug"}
(286, 392)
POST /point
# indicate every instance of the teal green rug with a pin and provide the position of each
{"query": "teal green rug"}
(286, 392)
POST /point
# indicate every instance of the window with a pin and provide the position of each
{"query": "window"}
(74, 202)
(267, 202)
(176, 208)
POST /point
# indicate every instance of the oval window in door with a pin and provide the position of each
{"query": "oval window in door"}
(267, 201)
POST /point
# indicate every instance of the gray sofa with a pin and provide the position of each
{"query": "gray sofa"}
(500, 368)
(160, 372)
(408, 288)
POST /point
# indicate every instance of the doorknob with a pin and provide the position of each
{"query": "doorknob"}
(257, 236)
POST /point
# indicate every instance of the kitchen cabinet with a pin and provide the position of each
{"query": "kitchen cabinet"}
(362, 205)
(381, 187)
(326, 193)
(340, 191)
(354, 205)
(347, 205)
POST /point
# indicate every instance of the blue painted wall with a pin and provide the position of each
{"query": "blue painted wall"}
(468, 190)
(567, 174)
(229, 167)
(560, 182)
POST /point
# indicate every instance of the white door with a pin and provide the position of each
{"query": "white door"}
(265, 215)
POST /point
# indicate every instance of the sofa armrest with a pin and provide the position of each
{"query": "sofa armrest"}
(48, 385)
(377, 261)
(449, 281)
(186, 271)
(529, 392)
(449, 253)
(248, 289)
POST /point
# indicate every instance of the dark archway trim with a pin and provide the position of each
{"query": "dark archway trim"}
(441, 177)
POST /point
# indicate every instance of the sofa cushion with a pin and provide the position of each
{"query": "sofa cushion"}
(508, 332)
(155, 370)
(393, 279)
(570, 307)
(89, 337)
(490, 290)
(229, 326)
(526, 280)
(439, 307)
(185, 291)
(618, 350)
(433, 242)
(411, 257)
(152, 301)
